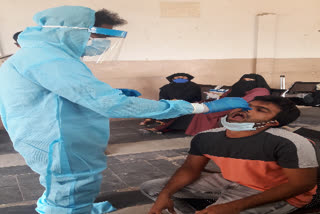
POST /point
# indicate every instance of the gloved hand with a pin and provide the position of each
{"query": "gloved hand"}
(227, 103)
(130, 92)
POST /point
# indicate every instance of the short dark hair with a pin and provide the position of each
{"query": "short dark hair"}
(288, 109)
(15, 36)
(104, 16)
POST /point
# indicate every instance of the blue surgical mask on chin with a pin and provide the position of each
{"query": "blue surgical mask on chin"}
(180, 80)
(237, 126)
(96, 46)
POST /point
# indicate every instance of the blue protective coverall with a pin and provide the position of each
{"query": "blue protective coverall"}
(57, 113)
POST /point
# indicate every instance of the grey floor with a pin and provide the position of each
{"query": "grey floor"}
(20, 186)
(121, 131)
(120, 181)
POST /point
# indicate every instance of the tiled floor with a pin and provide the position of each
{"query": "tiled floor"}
(120, 181)
(20, 185)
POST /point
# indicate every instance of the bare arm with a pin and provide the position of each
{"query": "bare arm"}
(186, 174)
(299, 181)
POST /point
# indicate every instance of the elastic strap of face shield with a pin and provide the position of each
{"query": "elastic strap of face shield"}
(96, 30)
(108, 32)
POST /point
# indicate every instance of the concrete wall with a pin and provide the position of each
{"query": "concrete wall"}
(215, 40)
(207, 29)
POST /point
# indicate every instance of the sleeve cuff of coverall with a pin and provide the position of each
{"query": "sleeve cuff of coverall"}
(199, 108)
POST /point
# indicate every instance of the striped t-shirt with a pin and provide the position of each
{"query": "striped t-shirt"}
(257, 161)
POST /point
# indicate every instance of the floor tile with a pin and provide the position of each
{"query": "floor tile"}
(146, 156)
(168, 153)
(111, 182)
(134, 137)
(6, 148)
(183, 151)
(30, 186)
(137, 157)
(123, 130)
(19, 210)
(16, 170)
(167, 167)
(10, 194)
(135, 173)
(178, 162)
(8, 181)
(112, 160)
(4, 137)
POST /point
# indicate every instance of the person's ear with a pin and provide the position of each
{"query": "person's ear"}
(272, 123)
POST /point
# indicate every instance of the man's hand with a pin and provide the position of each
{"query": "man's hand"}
(163, 202)
(219, 209)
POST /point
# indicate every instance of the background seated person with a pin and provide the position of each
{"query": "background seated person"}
(180, 88)
(265, 169)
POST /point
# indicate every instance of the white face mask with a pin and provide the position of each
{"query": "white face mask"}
(237, 126)
(96, 46)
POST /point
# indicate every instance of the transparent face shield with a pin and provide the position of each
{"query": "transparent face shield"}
(104, 44)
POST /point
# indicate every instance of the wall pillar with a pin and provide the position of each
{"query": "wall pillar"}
(265, 45)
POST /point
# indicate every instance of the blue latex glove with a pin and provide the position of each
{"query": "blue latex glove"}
(130, 92)
(227, 103)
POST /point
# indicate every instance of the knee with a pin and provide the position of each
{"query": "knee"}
(146, 188)
(153, 187)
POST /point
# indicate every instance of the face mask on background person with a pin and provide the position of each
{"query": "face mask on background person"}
(180, 80)
(96, 46)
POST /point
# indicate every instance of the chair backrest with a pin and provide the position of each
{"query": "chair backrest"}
(277, 92)
(302, 87)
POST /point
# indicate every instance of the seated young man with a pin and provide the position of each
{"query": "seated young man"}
(248, 87)
(264, 169)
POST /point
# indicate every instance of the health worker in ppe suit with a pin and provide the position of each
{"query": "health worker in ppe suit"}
(57, 113)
